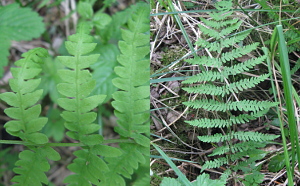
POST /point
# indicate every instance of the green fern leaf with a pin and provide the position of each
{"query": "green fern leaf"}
(131, 102)
(223, 66)
(240, 135)
(253, 136)
(220, 123)
(77, 86)
(239, 52)
(220, 24)
(88, 165)
(239, 147)
(27, 123)
(218, 162)
(170, 181)
(207, 61)
(33, 164)
(205, 76)
(223, 33)
(223, 8)
(245, 105)
(245, 66)
(210, 32)
(244, 84)
(236, 87)
(221, 43)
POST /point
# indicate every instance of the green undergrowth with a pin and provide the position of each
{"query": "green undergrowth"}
(228, 99)
(217, 83)
(77, 83)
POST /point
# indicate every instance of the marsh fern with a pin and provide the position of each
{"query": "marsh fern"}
(27, 122)
(221, 89)
(131, 102)
(89, 166)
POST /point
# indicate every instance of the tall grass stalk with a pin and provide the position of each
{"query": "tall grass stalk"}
(284, 69)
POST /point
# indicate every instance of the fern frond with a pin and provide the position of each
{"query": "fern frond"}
(245, 66)
(205, 76)
(215, 138)
(33, 164)
(238, 52)
(77, 85)
(236, 87)
(207, 61)
(230, 29)
(218, 162)
(218, 35)
(243, 118)
(223, 10)
(221, 43)
(88, 167)
(238, 147)
(220, 123)
(244, 84)
(218, 24)
(206, 89)
(253, 136)
(296, 67)
(240, 135)
(210, 32)
(244, 105)
(211, 82)
(228, 42)
(132, 102)
(125, 165)
(27, 123)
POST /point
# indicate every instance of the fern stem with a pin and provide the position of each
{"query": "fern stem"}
(17, 142)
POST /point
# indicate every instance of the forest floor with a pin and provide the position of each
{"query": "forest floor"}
(169, 50)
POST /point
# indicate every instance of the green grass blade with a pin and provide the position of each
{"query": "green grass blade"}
(167, 79)
(185, 35)
(285, 149)
(287, 87)
(181, 176)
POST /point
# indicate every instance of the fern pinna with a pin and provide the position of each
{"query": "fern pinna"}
(89, 167)
(220, 88)
(27, 123)
(132, 103)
